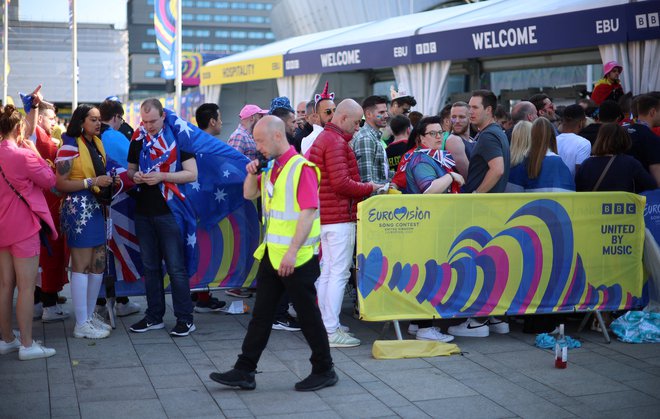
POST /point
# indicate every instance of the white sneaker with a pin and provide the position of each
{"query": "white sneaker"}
(497, 326)
(340, 339)
(470, 328)
(38, 311)
(346, 330)
(36, 351)
(126, 309)
(99, 323)
(7, 348)
(88, 331)
(412, 329)
(54, 313)
(101, 310)
(433, 333)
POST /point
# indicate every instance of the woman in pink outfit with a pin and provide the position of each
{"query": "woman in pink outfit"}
(23, 176)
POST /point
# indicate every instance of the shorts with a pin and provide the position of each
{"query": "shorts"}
(25, 248)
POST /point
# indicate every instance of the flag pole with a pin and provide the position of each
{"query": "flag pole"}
(177, 62)
(74, 46)
(5, 50)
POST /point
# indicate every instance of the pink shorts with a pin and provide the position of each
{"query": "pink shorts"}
(25, 248)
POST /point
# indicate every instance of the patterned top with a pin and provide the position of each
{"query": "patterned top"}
(370, 154)
(243, 142)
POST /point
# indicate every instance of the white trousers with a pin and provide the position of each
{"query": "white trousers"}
(337, 245)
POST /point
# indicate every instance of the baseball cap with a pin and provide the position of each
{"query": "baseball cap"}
(281, 102)
(249, 110)
(611, 65)
(113, 98)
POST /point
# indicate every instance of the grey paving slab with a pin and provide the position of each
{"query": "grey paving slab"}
(28, 382)
(23, 405)
(470, 407)
(541, 409)
(410, 412)
(386, 394)
(574, 380)
(101, 378)
(355, 371)
(361, 406)
(159, 353)
(649, 386)
(325, 414)
(143, 409)
(238, 413)
(424, 384)
(177, 375)
(186, 402)
(118, 395)
(269, 402)
(503, 392)
(226, 399)
(619, 400)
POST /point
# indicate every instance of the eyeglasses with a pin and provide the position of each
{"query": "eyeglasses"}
(121, 118)
(434, 133)
(330, 111)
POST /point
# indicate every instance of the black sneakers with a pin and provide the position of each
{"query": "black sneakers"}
(287, 323)
(210, 306)
(235, 378)
(145, 325)
(315, 382)
(182, 329)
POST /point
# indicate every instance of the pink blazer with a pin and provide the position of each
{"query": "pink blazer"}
(29, 174)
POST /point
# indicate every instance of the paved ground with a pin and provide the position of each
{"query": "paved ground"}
(154, 376)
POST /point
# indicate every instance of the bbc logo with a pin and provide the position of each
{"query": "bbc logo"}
(644, 21)
(618, 208)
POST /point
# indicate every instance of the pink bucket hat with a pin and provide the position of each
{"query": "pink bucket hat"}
(249, 110)
(609, 66)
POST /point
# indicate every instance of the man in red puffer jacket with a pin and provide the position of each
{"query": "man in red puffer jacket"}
(340, 192)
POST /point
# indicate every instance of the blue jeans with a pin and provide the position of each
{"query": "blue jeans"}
(160, 238)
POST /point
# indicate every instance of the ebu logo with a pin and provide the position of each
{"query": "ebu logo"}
(618, 208)
(399, 214)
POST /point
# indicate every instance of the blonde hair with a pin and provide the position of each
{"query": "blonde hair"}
(543, 139)
(521, 142)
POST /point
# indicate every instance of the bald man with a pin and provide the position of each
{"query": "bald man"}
(289, 190)
(521, 111)
(341, 190)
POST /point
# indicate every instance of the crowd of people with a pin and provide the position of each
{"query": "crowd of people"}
(309, 167)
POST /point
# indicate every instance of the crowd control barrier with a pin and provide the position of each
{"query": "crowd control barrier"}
(446, 256)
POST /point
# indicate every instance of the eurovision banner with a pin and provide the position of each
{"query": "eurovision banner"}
(444, 256)
(165, 25)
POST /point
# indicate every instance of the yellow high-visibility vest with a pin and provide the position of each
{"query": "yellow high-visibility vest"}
(281, 212)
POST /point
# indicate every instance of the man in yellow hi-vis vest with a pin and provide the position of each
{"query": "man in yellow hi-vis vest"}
(288, 187)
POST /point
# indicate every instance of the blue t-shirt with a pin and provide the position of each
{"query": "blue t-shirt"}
(554, 177)
(421, 171)
(116, 146)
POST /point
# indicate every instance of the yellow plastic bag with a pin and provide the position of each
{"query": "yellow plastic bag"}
(398, 349)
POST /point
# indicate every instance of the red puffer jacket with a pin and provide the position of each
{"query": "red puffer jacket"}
(341, 189)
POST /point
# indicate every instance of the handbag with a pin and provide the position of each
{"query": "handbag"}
(45, 229)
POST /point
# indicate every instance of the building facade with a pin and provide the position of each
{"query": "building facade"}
(210, 27)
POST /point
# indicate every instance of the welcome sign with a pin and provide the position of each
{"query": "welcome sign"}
(447, 256)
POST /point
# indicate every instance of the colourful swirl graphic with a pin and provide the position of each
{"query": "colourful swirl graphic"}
(479, 270)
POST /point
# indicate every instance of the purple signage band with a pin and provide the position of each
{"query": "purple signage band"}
(585, 28)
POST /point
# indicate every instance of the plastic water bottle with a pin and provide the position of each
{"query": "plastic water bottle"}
(561, 350)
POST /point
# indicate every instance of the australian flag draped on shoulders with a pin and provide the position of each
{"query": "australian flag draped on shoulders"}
(220, 173)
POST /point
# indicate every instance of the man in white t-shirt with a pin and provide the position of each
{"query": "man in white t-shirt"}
(572, 148)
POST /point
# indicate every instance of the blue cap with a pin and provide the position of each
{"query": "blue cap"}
(113, 98)
(281, 102)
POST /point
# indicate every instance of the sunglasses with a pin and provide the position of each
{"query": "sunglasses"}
(330, 111)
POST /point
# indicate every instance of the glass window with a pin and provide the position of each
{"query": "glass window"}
(151, 74)
(206, 47)
(270, 35)
(221, 18)
(187, 46)
(222, 34)
(238, 48)
(202, 33)
(237, 5)
(203, 4)
(220, 47)
(203, 18)
(150, 2)
(269, 6)
(151, 31)
(222, 5)
(187, 32)
(151, 16)
(256, 19)
(256, 35)
(238, 34)
(256, 6)
(187, 3)
(153, 60)
(148, 45)
(188, 16)
(239, 19)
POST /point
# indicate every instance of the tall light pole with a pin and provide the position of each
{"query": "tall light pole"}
(177, 61)
(5, 51)
(74, 47)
